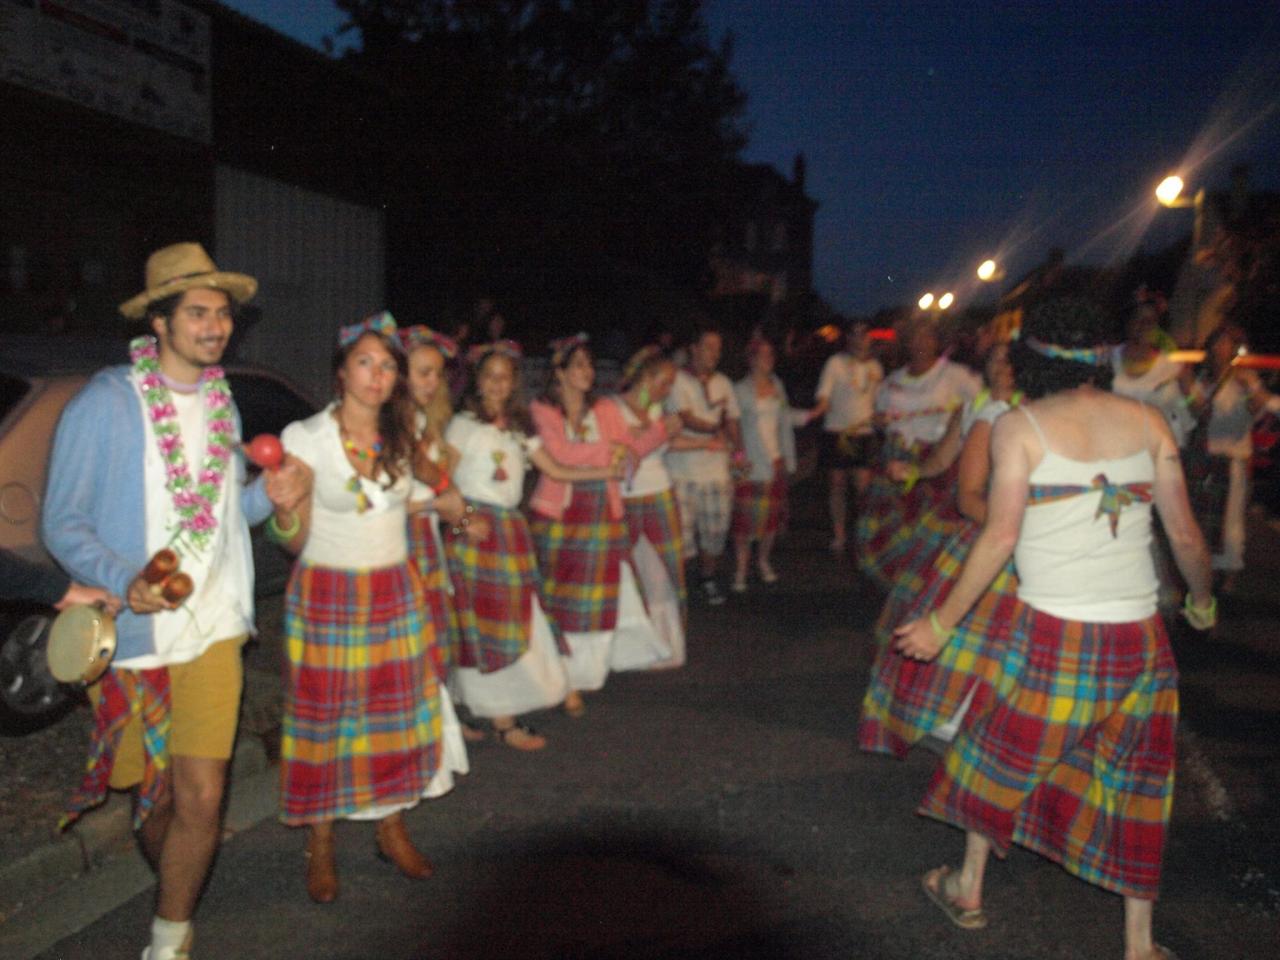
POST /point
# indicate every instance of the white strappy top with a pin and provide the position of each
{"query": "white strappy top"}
(1084, 550)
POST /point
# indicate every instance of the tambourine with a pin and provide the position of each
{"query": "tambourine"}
(82, 641)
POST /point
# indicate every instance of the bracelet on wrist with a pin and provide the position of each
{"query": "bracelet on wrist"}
(939, 631)
(442, 484)
(283, 535)
(913, 477)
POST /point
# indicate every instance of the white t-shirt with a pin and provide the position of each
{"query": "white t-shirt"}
(1231, 421)
(650, 475)
(218, 608)
(768, 409)
(920, 407)
(493, 462)
(849, 385)
(713, 401)
(343, 536)
(1157, 386)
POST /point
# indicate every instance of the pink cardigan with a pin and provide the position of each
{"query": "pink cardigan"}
(551, 497)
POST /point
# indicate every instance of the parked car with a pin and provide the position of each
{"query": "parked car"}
(38, 376)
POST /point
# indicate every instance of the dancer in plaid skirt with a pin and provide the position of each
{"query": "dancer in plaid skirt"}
(906, 699)
(368, 729)
(580, 529)
(653, 518)
(913, 405)
(511, 659)
(768, 437)
(1073, 755)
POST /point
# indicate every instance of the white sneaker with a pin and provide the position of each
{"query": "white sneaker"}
(711, 593)
(739, 585)
(768, 574)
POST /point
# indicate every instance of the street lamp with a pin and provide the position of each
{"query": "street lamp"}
(988, 270)
(939, 303)
(1169, 193)
(926, 301)
(946, 300)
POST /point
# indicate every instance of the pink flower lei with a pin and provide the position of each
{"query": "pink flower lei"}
(194, 499)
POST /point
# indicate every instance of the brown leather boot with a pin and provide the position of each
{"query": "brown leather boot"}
(322, 871)
(395, 846)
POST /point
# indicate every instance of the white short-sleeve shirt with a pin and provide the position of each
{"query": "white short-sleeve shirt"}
(712, 400)
(492, 462)
(849, 387)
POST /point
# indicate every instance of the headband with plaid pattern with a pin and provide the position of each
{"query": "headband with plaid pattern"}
(420, 335)
(381, 323)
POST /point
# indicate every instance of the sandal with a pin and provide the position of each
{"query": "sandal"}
(472, 733)
(574, 705)
(934, 885)
(520, 737)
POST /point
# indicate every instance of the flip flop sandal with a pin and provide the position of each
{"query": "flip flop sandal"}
(962, 917)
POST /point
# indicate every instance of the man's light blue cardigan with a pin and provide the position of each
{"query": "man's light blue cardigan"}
(94, 516)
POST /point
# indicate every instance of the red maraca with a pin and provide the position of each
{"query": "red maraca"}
(265, 450)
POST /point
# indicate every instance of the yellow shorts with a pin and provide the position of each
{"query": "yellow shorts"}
(205, 707)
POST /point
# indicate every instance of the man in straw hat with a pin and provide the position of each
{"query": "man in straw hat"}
(146, 457)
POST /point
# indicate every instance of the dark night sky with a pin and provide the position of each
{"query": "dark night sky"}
(940, 133)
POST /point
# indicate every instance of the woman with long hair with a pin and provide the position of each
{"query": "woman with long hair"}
(510, 658)
(653, 519)
(768, 437)
(1073, 754)
(579, 528)
(367, 730)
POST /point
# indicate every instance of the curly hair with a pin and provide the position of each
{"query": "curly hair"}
(1071, 322)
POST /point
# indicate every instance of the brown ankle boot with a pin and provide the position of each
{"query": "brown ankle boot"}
(322, 872)
(395, 846)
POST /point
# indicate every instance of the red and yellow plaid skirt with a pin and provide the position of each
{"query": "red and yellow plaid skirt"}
(433, 572)
(361, 722)
(759, 509)
(494, 584)
(656, 517)
(580, 556)
(1073, 756)
(908, 699)
(887, 516)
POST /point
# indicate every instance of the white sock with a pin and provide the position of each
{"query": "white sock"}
(167, 937)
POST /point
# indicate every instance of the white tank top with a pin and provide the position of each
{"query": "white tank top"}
(1084, 551)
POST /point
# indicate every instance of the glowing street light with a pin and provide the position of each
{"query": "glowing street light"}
(946, 300)
(987, 271)
(926, 301)
(1169, 190)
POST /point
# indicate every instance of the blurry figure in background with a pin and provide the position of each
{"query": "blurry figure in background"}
(433, 497)
(1225, 400)
(23, 580)
(511, 659)
(846, 397)
(708, 407)
(914, 406)
(768, 437)
(653, 519)
(368, 729)
(1142, 368)
(579, 527)
(1073, 755)
(907, 700)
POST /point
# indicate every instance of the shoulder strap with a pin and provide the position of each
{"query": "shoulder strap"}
(1035, 426)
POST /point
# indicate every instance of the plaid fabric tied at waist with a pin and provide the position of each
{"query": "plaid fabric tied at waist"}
(1115, 496)
(656, 517)
(494, 584)
(125, 694)
(580, 557)
(427, 553)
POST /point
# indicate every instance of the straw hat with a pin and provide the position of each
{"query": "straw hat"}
(184, 266)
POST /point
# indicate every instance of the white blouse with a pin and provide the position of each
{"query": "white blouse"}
(493, 461)
(343, 535)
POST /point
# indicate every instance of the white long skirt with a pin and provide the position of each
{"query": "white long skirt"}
(664, 612)
(633, 643)
(536, 680)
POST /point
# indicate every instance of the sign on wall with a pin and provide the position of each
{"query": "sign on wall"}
(144, 60)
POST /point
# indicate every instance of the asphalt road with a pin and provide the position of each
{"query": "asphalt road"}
(723, 811)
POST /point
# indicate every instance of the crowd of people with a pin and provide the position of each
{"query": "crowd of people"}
(435, 601)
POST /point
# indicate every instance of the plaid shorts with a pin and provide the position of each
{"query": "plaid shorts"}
(706, 507)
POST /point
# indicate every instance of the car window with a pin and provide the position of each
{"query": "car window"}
(12, 390)
(266, 405)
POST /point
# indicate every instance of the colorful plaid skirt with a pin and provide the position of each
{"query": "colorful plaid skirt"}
(759, 509)
(908, 699)
(1073, 756)
(580, 556)
(425, 549)
(656, 517)
(362, 708)
(494, 583)
(887, 516)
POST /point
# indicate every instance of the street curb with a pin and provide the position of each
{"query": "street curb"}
(41, 894)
